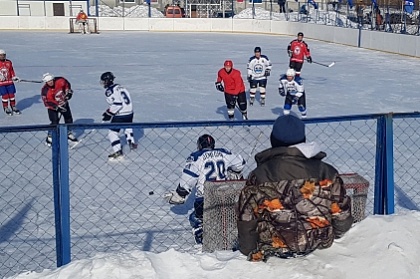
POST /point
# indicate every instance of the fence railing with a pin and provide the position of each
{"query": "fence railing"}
(60, 204)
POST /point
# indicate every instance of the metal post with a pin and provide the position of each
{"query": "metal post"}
(60, 161)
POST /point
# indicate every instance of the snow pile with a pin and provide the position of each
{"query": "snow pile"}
(379, 247)
(119, 11)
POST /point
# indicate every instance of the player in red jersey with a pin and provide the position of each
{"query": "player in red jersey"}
(55, 94)
(298, 50)
(7, 86)
(233, 87)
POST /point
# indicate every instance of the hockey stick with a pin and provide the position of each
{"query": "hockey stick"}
(84, 138)
(255, 145)
(32, 81)
(325, 65)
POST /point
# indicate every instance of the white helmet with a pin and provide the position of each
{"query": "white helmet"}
(290, 73)
(2, 51)
(47, 77)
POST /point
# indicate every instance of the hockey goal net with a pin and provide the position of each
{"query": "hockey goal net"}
(91, 26)
(219, 217)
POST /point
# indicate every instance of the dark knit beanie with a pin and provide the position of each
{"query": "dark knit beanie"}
(287, 130)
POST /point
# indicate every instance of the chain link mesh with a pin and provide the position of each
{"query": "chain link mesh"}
(117, 206)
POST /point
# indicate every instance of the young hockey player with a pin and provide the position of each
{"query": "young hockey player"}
(234, 89)
(120, 110)
(291, 87)
(298, 50)
(56, 94)
(206, 164)
(259, 68)
(7, 86)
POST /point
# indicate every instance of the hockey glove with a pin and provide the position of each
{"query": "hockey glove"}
(61, 109)
(267, 73)
(107, 115)
(309, 59)
(69, 94)
(290, 53)
(249, 78)
(282, 92)
(234, 175)
(219, 86)
(174, 198)
(16, 79)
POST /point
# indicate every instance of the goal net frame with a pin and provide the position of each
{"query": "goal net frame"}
(92, 25)
(220, 217)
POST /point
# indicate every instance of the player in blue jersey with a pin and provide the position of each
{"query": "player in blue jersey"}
(206, 164)
(259, 68)
(291, 87)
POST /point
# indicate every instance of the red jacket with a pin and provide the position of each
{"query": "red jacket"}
(6, 72)
(56, 95)
(299, 50)
(232, 81)
(81, 16)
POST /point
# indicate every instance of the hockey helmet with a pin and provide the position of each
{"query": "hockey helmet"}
(47, 77)
(2, 52)
(290, 73)
(300, 34)
(228, 63)
(205, 141)
(107, 79)
(257, 49)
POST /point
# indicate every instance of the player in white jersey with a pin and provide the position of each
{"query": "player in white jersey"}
(259, 68)
(206, 164)
(120, 111)
(291, 87)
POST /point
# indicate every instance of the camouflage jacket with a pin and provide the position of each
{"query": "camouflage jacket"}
(292, 204)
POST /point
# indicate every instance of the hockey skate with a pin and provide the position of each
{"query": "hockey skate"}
(198, 235)
(245, 116)
(262, 102)
(48, 140)
(16, 111)
(132, 145)
(251, 101)
(71, 137)
(8, 111)
(116, 155)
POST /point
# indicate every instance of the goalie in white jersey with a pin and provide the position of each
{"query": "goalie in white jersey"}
(120, 111)
(206, 164)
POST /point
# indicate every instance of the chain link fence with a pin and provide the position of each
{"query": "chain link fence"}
(119, 206)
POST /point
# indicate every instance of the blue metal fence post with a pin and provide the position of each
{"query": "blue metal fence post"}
(384, 167)
(378, 191)
(389, 165)
(61, 194)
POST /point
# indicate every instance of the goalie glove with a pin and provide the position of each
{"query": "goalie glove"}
(219, 86)
(174, 198)
(282, 92)
(16, 79)
(267, 73)
(234, 175)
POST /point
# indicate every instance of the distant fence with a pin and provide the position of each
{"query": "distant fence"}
(61, 204)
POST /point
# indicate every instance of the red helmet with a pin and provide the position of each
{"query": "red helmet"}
(228, 63)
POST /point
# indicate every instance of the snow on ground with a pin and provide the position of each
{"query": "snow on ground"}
(379, 247)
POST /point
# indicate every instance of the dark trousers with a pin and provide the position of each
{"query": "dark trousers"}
(55, 116)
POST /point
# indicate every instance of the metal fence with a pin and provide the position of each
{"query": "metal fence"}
(60, 204)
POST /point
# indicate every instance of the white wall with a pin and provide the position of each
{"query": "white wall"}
(382, 41)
